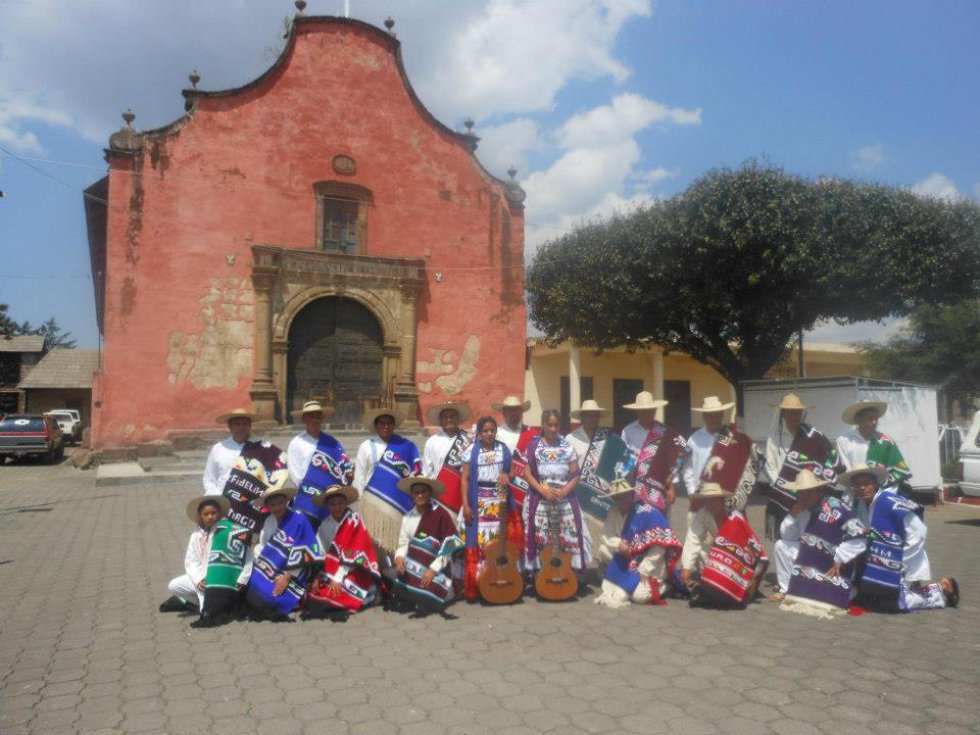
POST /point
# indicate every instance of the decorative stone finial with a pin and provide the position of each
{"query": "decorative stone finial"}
(194, 78)
(512, 172)
(468, 124)
(126, 140)
(300, 6)
(389, 24)
(128, 116)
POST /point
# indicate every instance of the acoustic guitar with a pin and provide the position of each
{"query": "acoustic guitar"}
(556, 580)
(501, 582)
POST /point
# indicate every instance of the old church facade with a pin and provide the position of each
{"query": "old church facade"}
(314, 233)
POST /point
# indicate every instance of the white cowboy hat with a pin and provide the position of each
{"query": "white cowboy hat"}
(194, 506)
(347, 491)
(711, 490)
(511, 402)
(645, 400)
(712, 404)
(313, 407)
(235, 414)
(588, 405)
(435, 411)
(879, 473)
(289, 492)
(407, 483)
(791, 402)
(805, 480)
(619, 487)
(851, 412)
(372, 414)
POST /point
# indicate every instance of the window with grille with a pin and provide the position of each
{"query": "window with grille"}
(342, 217)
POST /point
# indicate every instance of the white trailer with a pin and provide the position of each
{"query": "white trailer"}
(912, 418)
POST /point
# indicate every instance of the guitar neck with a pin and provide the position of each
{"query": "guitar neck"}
(554, 520)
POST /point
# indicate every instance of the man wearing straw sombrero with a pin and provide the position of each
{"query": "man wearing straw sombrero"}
(316, 461)
(517, 437)
(223, 454)
(589, 432)
(792, 446)
(820, 538)
(442, 456)
(866, 445)
(701, 443)
(645, 406)
(383, 460)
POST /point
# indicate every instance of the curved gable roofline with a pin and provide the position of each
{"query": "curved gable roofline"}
(394, 46)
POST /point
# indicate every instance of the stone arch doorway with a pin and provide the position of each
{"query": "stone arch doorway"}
(335, 354)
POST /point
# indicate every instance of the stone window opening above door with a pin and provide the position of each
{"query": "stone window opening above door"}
(341, 217)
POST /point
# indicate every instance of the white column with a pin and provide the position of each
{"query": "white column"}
(657, 357)
(574, 377)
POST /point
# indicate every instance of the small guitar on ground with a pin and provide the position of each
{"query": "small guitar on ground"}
(556, 580)
(501, 582)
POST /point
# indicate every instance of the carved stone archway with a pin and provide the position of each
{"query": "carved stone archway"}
(286, 280)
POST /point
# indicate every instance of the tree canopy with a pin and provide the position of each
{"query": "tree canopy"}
(733, 268)
(939, 345)
(54, 336)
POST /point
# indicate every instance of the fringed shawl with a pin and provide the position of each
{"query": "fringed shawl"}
(329, 466)
(736, 561)
(450, 475)
(352, 550)
(293, 548)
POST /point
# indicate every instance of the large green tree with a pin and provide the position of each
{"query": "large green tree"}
(939, 345)
(732, 269)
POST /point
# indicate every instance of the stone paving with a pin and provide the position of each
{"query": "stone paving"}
(83, 648)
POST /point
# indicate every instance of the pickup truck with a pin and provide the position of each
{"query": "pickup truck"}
(23, 435)
(68, 422)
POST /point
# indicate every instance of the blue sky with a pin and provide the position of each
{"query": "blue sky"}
(601, 104)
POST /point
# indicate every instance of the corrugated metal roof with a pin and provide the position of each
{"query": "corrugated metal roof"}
(22, 343)
(63, 368)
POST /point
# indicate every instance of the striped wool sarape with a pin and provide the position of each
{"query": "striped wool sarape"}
(352, 562)
(293, 549)
(735, 565)
(260, 466)
(657, 462)
(451, 473)
(881, 579)
(329, 466)
(733, 464)
(435, 538)
(810, 450)
(831, 523)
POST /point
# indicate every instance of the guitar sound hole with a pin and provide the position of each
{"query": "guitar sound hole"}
(555, 562)
(501, 561)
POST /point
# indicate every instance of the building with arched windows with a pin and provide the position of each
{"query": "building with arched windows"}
(313, 233)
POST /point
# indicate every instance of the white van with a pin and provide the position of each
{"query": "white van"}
(970, 459)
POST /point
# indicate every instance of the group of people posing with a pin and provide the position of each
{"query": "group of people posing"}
(481, 513)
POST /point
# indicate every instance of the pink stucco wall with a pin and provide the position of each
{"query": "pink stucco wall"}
(185, 211)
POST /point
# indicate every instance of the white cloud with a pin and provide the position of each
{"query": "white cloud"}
(15, 114)
(625, 116)
(937, 186)
(830, 332)
(868, 158)
(655, 176)
(506, 145)
(515, 56)
(612, 203)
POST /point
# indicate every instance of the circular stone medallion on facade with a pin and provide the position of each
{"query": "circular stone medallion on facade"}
(344, 164)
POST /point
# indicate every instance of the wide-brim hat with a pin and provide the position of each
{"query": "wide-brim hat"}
(713, 404)
(645, 400)
(289, 492)
(372, 414)
(406, 483)
(511, 402)
(434, 411)
(711, 490)
(805, 480)
(194, 506)
(347, 491)
(791, 402)
(588, 405)
(851, 412)
(312, 407)
(237, 413)
(620, 487)
(879, 473)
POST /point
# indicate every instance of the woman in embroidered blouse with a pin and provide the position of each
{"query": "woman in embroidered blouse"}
(552, 474)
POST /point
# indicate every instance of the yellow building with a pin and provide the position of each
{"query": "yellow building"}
(562, 377)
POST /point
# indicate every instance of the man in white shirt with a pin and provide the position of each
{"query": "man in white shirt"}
(581, 439)
(866, 445)
(635, 432)
(450, 417)
(702, 441)
(383, 422)
(302, 446)
(222, 456)
(512, 409)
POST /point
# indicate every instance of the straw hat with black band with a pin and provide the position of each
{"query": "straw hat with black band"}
(238, 413)
(435, 412)
(346, 491)
(312, 407)
(588, 405)
(194, 506)
(511, 402)
(791, 402)
(850, 413)
(373, 414)
(407, 483)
